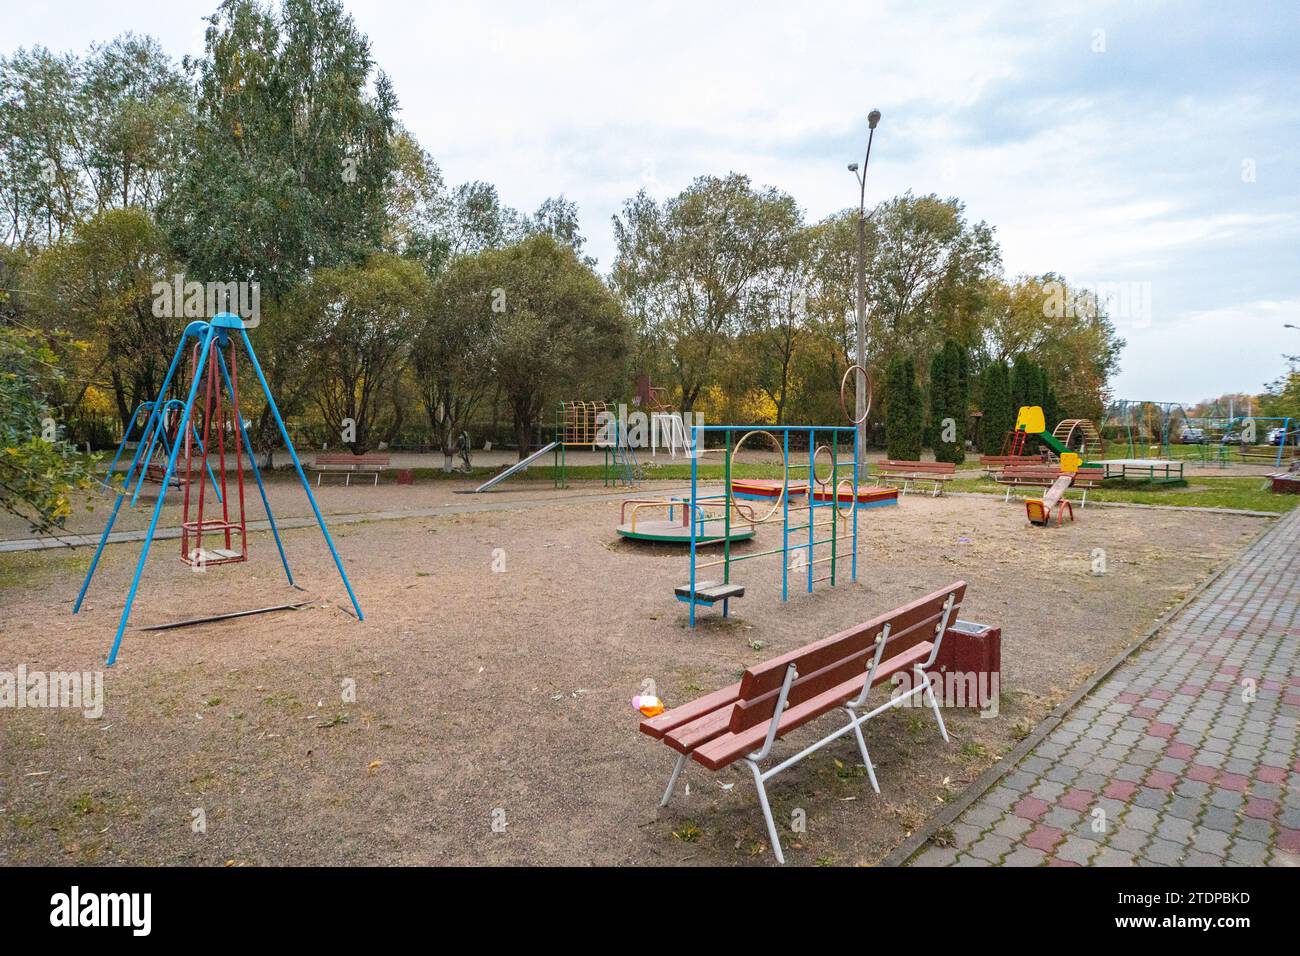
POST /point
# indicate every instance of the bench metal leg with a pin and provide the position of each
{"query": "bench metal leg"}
(862, 748)
(934, 705)
(726, 602)
(767, 811)
(672, 781)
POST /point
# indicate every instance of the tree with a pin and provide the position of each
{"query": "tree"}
(904, 422)
(555, 327)
(949, 388)
(1065, 329)
(417, 221)
(368, 315)
(927, 275)
(289, 167)
(995, 403)
(41, 155)
(98, 285)
(38, 470)
(684, 269)
(453, 349)
(775, 325)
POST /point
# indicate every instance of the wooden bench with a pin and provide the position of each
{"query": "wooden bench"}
(907, 472)
(744, 720)
(1044, 476)
(995, 463)
(349, 464)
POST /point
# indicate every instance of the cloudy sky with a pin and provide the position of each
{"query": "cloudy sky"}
(1150, 149)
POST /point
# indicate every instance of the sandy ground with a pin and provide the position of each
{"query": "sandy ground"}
(491, 720)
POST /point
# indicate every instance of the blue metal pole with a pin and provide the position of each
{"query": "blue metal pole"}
(126, 482)
(812, 506)
(857, 458)
(158, 408)
(306, 485)
(695, 462)
(257, 472)
(1281, 445)
(162, 492)
(126, 435)
(94, 562)
(785, 516)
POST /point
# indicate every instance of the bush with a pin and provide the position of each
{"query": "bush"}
(949, 388)
(995, 403)
(904, 422)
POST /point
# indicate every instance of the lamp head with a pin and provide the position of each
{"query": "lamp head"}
(853, 167)
(873, 118)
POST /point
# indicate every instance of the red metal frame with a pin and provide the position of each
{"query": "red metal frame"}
(214, 421)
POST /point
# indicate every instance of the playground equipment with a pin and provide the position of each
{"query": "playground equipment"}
(1030, 421)
(677, 527)
(205, 425)
(595, 425)
(516, 468)
(1039, 510)
(1145, 425)
(807, 515)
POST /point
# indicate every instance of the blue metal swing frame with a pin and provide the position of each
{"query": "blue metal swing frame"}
(221, 329)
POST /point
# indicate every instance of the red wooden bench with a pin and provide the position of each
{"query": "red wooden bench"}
(995, 463)
(907, 472)
(350, 464)
(1044, 476)
(744, 720)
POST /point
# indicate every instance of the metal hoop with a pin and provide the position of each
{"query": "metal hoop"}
(845, 381)
(731, 456)
(813, 469)
(853, 499)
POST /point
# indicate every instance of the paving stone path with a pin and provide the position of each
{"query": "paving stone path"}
(1185, 756)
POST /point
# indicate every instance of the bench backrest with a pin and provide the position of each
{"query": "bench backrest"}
(929, 467)
(347, 458)
(1011, 459)
(833, 660)
(1050, 473)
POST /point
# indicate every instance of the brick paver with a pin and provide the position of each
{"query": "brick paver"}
(1186, 755)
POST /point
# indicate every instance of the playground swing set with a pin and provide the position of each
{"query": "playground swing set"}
(207, 421)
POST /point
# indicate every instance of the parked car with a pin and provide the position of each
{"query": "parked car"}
(1192, 436)
(1276, 436)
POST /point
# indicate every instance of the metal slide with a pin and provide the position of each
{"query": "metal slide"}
(515, 467)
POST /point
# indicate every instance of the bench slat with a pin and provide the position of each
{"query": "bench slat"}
(660, 725)
(730, 747)
(767, 677)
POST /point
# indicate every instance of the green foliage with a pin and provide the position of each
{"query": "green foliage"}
(97, 286)
(995, 402)
(291, 153)
(904, 417)
(38, 470)
(367, 315)
(553, 324)
(949, 400)
(686, 269)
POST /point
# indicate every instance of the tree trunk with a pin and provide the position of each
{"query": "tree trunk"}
(523, 426)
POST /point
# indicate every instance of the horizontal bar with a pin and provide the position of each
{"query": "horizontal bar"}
(225, 617)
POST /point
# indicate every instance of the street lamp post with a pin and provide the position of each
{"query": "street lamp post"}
(861, 407)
